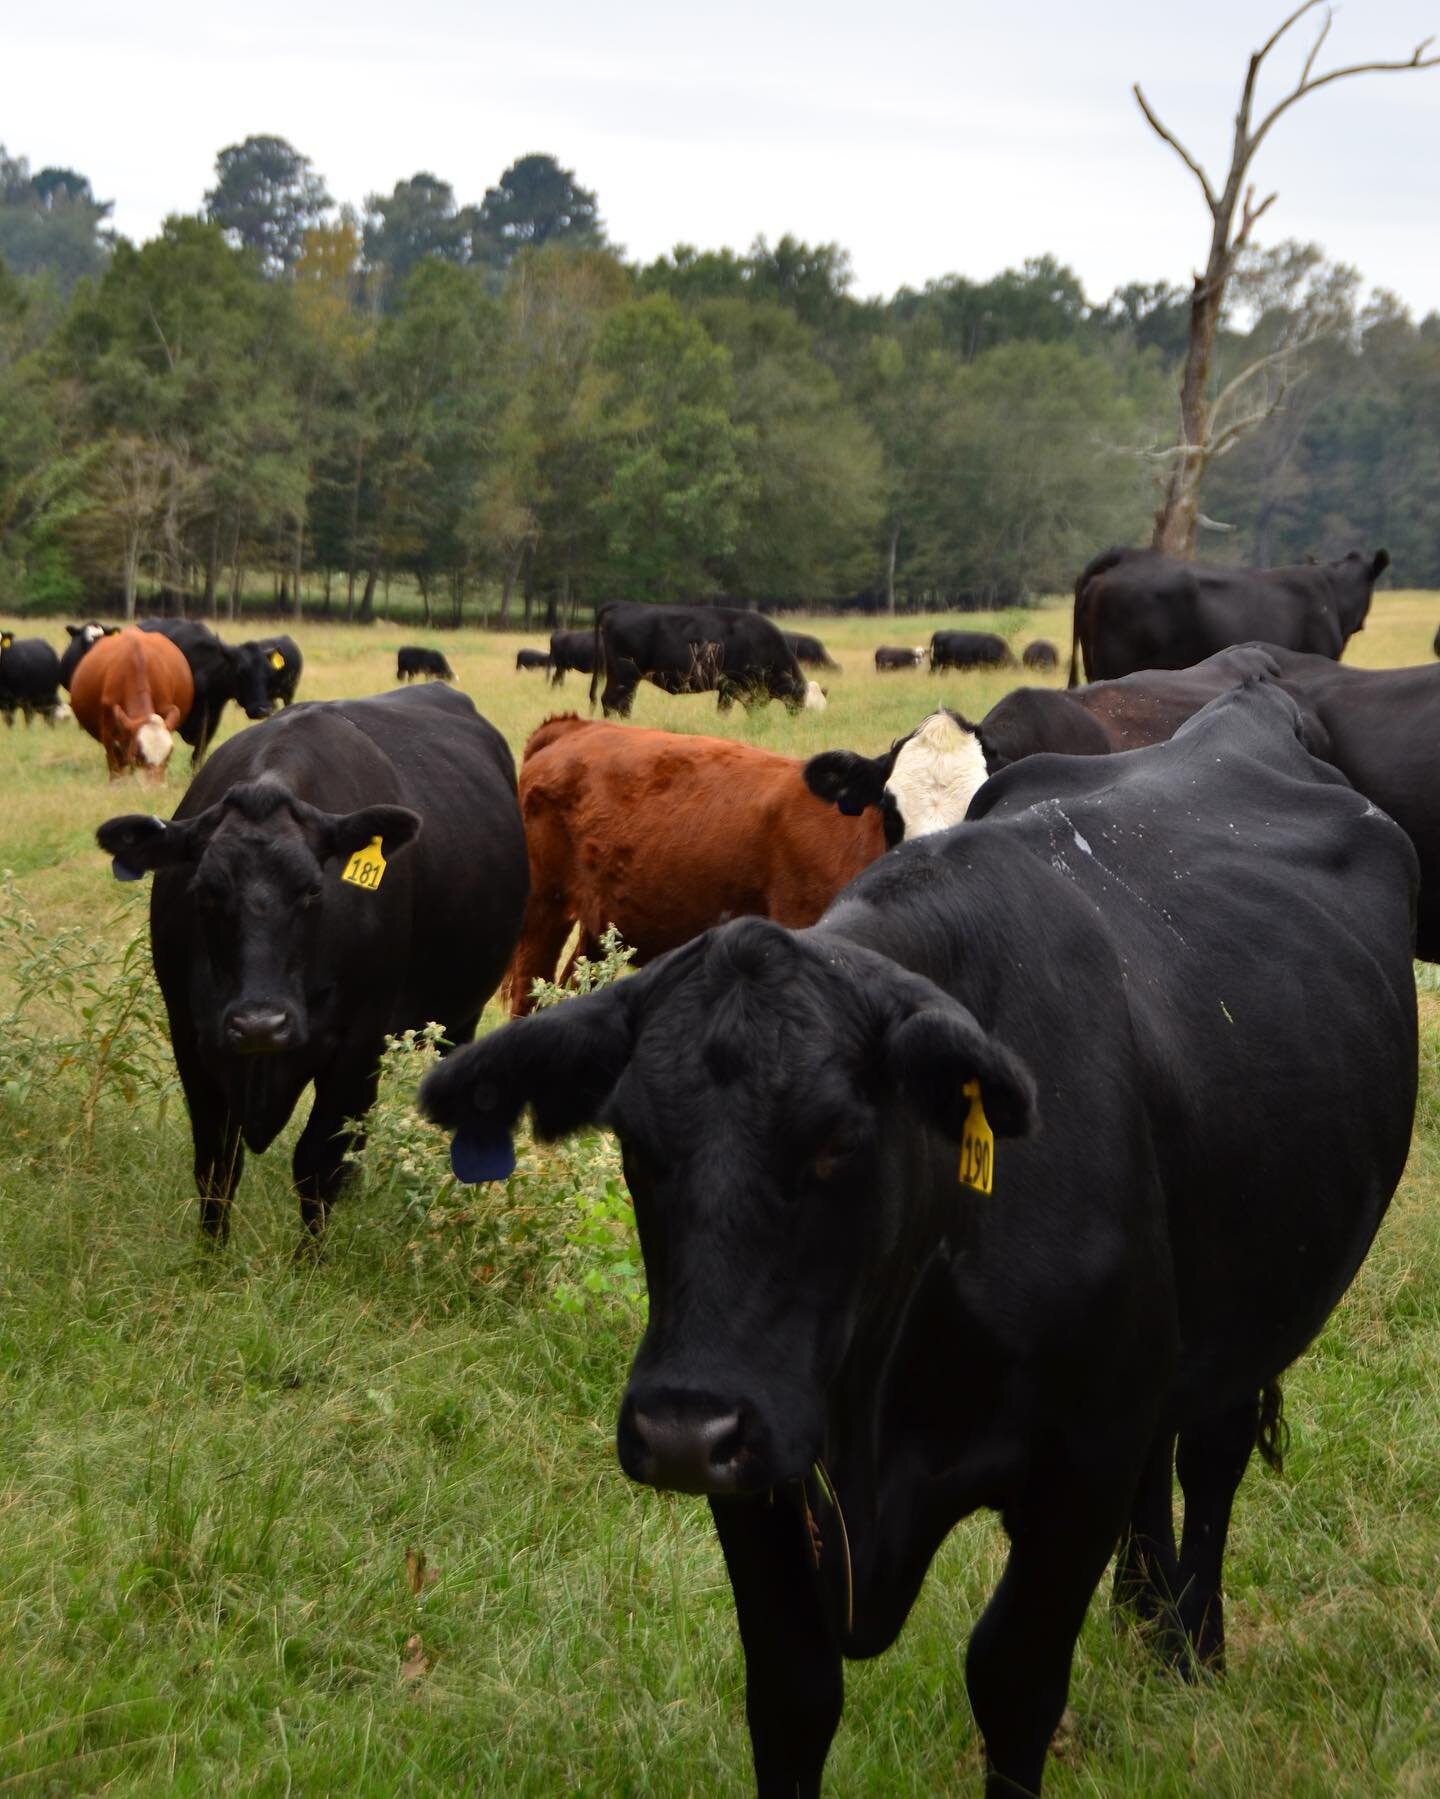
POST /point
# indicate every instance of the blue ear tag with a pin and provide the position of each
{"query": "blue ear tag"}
(477, 1159)
(123, 872)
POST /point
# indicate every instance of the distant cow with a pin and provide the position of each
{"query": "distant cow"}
(1041, 654)
(1138, 609)
(1436, 645)
(221, 671)
(1014, 1183)
(82, 637)
(664, 835)
(283, 665)
(694, 649)
(530, 659)
(887, 659)
(571, 649)
(969, 649)
(348, 869)
(29, 678)
(809, 651)
(412, 661)
(132, 692)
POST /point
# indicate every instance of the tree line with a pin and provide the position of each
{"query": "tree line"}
(490, 400)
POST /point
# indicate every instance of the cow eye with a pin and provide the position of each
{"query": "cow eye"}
(831, 1159)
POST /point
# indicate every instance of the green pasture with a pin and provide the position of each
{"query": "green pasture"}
(212, 1466)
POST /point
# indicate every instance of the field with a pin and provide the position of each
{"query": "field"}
(213, 1466)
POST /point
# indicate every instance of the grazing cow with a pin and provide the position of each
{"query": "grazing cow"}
(530, 659)
(1041, 654)
(222, 672)
(29, 678)
(808, 650)
(82, 637)
(348, 869)
(283, 667)
(1100, 998)
(694, 649)
(413, 660)
(131, 692)
(571, 649)
(663, 836)
(969, 649)
(1436, 645)
(1139, 609)
(888, 659)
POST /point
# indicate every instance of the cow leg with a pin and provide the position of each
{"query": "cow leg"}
(319, 1164)
(1017, 1668)
(547, 924)
(1146, 1569)
(794, 1680)
(219, 1154)
(1212, 1459)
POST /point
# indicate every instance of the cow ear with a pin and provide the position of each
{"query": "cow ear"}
(1380, 564)
(845, 779)
(935, 1049)
(562, 1063)
(345, 833)
(138, 844)
(74, 630)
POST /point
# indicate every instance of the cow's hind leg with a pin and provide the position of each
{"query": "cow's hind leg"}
(1147, 1569)
(548, 922)
(1212, 1458)
(794, 1679)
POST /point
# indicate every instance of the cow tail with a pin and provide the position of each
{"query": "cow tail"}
(1272, 1433)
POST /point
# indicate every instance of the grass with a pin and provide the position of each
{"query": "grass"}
(211, 1467)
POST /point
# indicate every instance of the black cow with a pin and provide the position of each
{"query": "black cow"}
(693, 649)
(808, 650)
(1041, 654)
(82, 637)
(888, 658)
(286, 949)
(222, 671)
(1139, 609)
(29, 678)
(1099, 997)
(969, 649)
(284, 666)
(571, 649)
(530, 659)
(412, 660)
(1436, 645)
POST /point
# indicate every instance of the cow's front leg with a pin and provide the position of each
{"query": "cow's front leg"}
(319, 1164)
(794, 1684)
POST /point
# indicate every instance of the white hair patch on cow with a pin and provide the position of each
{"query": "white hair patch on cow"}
(815, 700)
(936, 775)
(153, 742)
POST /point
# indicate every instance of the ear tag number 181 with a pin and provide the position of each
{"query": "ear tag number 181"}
(366, 868)
(977, 1143)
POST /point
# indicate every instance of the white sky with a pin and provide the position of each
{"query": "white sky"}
(926, 137)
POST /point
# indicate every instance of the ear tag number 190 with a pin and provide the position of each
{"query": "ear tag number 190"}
(977, 1143)
(366, 868)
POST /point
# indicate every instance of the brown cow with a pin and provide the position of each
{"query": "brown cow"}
(130, 693)
(664, 835)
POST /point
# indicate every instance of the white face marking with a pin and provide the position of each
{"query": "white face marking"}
(153, 742)
(936, 776)
(814, 698)
(93, 633)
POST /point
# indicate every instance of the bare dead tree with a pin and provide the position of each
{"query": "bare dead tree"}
(1211, 425)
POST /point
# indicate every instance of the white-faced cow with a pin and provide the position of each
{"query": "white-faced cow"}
(1024, 1167)
(1139, 609)
(221, 671)
(888, 658)
(733, 654)
(348, 869)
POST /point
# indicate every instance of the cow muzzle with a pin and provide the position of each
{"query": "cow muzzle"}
(689, 1443)
(261, 1030)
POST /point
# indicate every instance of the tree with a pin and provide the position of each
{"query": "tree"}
(416, 221)
(266, 197)
(51, 223)
(1210, 423)
(535, 203)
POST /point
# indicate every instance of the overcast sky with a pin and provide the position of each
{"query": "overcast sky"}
(926, 136)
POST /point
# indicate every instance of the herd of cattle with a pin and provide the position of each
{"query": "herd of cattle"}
(1003, 1113)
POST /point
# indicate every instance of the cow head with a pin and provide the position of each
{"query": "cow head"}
(779, 1098)
(1361, 572)
(924, 782)
(147, 741)
(250, 674)
(264, 867)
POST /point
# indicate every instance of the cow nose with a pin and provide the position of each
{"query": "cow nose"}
(259, 1030)
(692, 1446)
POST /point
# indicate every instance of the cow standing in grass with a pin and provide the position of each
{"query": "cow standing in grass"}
(132, 693)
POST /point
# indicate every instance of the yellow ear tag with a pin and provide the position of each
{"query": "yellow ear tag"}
(277, 661)
(366, 868)
(977, 1143)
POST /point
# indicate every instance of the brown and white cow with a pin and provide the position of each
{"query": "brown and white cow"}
(131, 693)
(664, 835)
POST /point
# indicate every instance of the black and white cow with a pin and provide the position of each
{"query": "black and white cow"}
(1021, 1170)
(29, 679)
(82, 638)
(888, 658)
(347, 869)
(414, 660)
